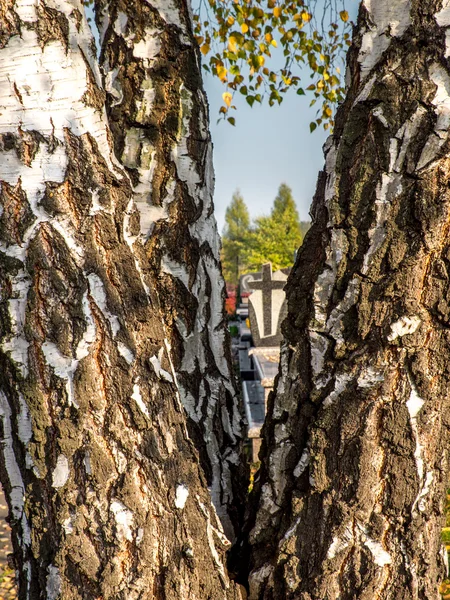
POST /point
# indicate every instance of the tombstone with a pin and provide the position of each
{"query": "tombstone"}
(267, 307)
(246, 280)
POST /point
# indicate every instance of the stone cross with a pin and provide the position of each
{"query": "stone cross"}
(267, 307)
(267, 284)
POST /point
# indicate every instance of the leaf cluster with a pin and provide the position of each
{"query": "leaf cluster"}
(239, 38)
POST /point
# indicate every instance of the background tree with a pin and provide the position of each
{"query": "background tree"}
(355, 458)
(275, 238)
(235, 239)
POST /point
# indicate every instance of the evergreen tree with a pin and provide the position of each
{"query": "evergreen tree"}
(275, 238)
(235, 238)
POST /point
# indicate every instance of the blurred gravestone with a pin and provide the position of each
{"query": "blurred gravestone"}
(267, 306)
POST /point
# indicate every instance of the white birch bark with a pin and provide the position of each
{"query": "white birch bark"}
(159, 115)
(106, 494)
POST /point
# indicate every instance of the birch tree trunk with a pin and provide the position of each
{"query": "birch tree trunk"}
(349, 500)
(159, 118)
(106, 494)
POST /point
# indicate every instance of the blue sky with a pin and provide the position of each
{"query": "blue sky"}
(268, 146)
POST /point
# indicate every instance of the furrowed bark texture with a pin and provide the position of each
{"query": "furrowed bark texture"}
(349, 500)
(106, 494)
(159, 118)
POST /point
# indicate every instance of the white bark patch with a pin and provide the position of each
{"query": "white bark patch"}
(421, 499)
(131, 239)
(125, 352)
(26, 10)
(14, 475)
(68, 526)
(380, 556)
(302, 463)
(186, 167)
(171, 15)
(63, 366)
(149, 47)
(318, 345)
(258, 578)
(87, 463)
(43, 78)
(24, 426)
(175, 269)
(441, 102)
(136, 396)
(61, 472)
(97, 291)
(370, 377)
(340, 542)
(124, 520)
(390, 19)
(156, 364)
(53, 587)
(414, 405)
(339, 386)
(181, 495)
(210, 530)
(17, 345)
(120, 23)
(443, 16)
(404, 326)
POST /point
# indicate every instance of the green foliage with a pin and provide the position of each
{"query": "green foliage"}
(235, 239)
(240, 37)
(275, 238)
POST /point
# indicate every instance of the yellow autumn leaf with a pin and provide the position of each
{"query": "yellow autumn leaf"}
(260, 60)
(268, 37)
(328, 111)
(230, 20)
(232, 45)
(205, 49)
(274, 43)
(277, 11)
(221, 72)
(227, 97)
(306, 16)
(244, 27)
(344, 16)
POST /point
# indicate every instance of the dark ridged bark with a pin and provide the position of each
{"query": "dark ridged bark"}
(350, 496)
(159, 118)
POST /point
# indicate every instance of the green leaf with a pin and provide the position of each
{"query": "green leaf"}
(312, 126)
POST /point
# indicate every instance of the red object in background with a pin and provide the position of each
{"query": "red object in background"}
(230, 302)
